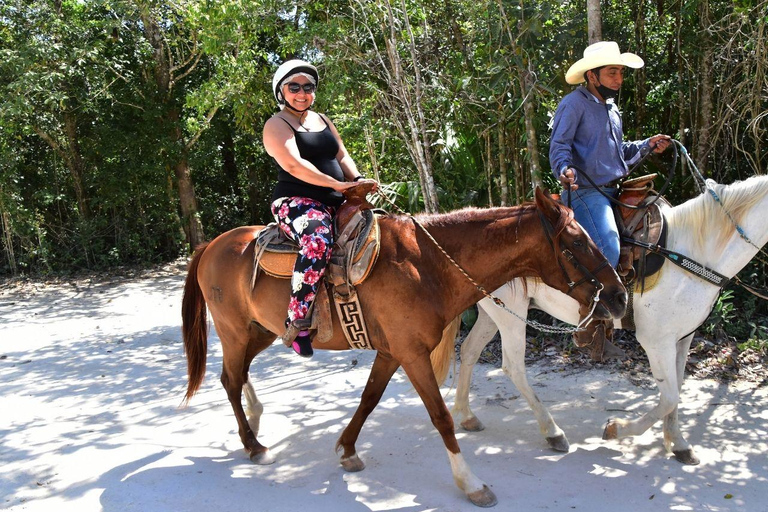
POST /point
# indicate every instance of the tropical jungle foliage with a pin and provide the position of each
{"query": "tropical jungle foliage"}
(130, 130)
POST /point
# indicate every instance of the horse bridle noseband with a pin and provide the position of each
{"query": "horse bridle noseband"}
(588, 276)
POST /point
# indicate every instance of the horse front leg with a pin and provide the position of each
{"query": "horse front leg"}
(674, 440)
(384, 366)
(479, 336)
(513, 364)
(513, 340)
(419, 371)
(662, 357)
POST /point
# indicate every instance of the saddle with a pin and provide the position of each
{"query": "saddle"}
(353, 256)
(645, 225)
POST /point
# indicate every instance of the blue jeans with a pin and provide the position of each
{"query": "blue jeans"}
(595, 214)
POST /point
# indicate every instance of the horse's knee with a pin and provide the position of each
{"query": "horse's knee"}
(668, 401)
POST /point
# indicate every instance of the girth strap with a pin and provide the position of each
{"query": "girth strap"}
(684, 262)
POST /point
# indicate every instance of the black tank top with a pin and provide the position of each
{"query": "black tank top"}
(319, 148)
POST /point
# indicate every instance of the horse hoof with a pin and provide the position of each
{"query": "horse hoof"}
(687, 457)
(352, 464)
(262, 458)
(611, 431)
(559, 443)
(483, 498)
(472, 425)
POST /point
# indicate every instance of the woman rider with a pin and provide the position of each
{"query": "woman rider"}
(314, 168)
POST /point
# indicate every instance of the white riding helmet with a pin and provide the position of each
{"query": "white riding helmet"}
(290, 68)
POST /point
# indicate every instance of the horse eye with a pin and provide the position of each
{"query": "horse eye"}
(578, 243)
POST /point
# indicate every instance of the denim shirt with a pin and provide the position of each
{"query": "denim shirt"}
(587, 134)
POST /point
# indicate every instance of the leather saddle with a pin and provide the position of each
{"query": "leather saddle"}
(353, 256)
(646, 224)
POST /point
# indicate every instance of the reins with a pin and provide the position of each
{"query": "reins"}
(704, 186)
(688, 264)
(667, 183)
(500, 303)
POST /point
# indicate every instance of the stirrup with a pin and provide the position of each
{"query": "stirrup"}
(292, 330)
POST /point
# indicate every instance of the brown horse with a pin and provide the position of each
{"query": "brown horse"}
(409, 298)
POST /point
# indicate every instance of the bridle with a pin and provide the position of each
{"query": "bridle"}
(587, 275)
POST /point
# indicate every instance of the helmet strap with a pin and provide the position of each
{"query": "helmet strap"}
(290, 107)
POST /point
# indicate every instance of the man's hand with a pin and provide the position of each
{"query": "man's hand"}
(568, 179)
(660, 143)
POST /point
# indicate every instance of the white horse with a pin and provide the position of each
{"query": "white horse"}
(665, 316)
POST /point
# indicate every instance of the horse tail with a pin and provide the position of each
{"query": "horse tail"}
(194, 326)
(444, 354)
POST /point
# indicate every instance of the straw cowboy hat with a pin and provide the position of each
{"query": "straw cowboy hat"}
(602, 53)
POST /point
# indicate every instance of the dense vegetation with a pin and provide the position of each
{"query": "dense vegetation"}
(130, 129)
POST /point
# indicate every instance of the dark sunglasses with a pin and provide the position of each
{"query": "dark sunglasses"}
(294, 87)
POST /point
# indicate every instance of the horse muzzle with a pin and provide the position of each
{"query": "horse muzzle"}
(612, 303)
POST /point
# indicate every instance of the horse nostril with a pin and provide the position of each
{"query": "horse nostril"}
(621, 299)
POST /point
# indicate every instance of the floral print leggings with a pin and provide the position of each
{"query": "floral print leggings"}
(310, 224)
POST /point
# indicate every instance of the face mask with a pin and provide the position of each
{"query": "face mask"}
(606, 92)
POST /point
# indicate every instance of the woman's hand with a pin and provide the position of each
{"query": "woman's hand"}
(344, 185)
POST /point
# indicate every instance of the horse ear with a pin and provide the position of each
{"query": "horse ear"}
(546, 204)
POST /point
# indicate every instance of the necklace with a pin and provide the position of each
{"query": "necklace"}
(301, 123)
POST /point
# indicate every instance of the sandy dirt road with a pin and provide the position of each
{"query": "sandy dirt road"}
(92, 374)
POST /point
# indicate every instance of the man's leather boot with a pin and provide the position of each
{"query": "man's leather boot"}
(597, 336)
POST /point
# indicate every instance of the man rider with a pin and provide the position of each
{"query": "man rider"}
(587, 138)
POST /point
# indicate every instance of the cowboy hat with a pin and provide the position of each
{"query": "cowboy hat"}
(602, 53)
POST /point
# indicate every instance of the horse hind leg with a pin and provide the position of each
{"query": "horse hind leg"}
(239, 349)
(422, 377)
(253, 407)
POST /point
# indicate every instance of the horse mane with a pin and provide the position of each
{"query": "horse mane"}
(469, 214)
(472, 213)
(703, 211)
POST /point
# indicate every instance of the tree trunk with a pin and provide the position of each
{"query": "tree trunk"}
(193, 228)
(682, 97)
(75, 162)
(707, 86)
(70, 155)
(419, 126)
(370, 145)
(164, 80)
(526, 88)
(402, 97)
(503, 177)
(229, 164)
(594, 21)
(488, 165)
(8, 236)
(641, 88)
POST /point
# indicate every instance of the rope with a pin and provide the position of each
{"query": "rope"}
(500, 303)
